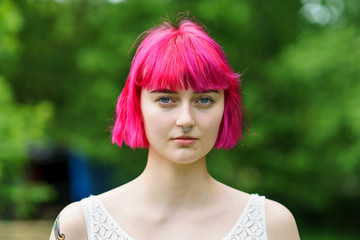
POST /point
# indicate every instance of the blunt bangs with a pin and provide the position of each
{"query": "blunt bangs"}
(178, 57)
(181, 58)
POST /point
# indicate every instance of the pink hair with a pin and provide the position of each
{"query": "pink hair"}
(178, 57)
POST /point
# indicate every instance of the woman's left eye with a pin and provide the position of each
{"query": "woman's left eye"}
(164, 100)
(205, 100)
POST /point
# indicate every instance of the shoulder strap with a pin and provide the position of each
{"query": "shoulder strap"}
(99, 222)
(87, 211)
(257, 210)
(252, 223)
(257, 216)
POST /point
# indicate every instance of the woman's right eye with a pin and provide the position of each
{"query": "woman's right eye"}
(164, 101)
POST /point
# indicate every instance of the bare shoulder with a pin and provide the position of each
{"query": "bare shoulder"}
(280, 223)
(70, 224)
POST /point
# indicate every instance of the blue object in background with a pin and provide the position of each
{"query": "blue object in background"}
(86, 177)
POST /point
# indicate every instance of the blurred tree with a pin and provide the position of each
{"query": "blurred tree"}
(318, 77)
(21, 127)
(299, 60)
(77, 51)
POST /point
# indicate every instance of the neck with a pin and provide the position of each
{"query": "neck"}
(174, 185)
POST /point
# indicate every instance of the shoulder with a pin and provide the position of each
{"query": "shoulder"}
(70, 224)
(280, 223)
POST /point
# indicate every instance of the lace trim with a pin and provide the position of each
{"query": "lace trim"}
(102, 225)
(250, 226)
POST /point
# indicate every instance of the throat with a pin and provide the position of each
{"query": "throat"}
(176, 185)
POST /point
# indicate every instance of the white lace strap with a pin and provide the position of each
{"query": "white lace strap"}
(87, 210)
(99, 223)
(252, 223)
(257, 212)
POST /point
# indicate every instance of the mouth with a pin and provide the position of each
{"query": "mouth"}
(184, 140)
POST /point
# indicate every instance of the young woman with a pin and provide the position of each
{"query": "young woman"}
(180, 100)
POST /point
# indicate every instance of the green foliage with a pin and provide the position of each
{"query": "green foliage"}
(21, 126)
(300, 86)
(10, 24)
(319, 79)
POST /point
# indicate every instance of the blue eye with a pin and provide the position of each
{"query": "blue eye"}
(205, 100)
(164, 99)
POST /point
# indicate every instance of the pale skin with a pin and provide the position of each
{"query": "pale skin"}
(175, 197)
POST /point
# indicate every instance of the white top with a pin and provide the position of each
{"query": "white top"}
(101, 225)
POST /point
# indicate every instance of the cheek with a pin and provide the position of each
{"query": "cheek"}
(211, 122)
(156, 125)
(213, 126)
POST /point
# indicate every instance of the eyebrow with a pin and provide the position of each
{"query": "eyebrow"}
(162, 91)
(208, 91)
(173, 92)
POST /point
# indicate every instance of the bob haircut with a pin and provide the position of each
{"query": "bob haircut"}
(175, 57)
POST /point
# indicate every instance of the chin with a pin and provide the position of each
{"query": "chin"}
(184, 157)
(184, 161)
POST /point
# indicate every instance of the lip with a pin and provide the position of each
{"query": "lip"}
(185, 140)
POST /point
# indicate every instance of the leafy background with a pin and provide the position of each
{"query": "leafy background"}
(63, 64)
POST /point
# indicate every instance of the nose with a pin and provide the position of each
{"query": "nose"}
(185, 117)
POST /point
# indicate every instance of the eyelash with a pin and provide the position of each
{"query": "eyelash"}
(160, 100)
(210, 100)
(169, 101)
